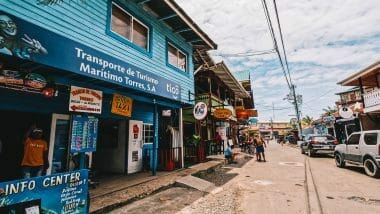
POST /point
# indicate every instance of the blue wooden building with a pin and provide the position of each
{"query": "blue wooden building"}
(125, 65)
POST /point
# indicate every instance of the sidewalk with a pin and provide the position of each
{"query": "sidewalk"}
(119, 190)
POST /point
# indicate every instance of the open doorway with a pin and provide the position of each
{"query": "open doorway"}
(14, 126)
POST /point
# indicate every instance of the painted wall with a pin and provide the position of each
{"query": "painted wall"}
(86, 23)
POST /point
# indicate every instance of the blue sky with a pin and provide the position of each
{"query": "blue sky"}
(325, 42)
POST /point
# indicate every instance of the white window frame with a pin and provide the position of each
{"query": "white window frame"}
(131, 33)
(151, 130)
(178, 51)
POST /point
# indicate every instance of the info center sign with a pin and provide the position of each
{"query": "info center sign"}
(59, 193)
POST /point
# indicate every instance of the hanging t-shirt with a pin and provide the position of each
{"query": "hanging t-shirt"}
(34, 152)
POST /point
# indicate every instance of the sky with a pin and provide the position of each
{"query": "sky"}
(325, 42)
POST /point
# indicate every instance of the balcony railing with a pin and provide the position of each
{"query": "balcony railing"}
(372, 101)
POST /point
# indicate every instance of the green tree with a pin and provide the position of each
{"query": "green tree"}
(329, 110)
(307, 120)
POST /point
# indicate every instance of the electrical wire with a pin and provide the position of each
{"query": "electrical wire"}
(251, 53)
(269, 22)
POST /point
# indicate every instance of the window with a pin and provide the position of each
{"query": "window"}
(177, 58)
(129, 27)
(148, 133)
(353, 140)
(370, 138)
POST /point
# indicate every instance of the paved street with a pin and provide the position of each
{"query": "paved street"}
(287, 183)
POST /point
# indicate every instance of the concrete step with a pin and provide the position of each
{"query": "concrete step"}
(196, 183)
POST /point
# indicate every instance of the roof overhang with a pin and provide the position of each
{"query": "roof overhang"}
(222, 71)
(368, 76)
(169, 12)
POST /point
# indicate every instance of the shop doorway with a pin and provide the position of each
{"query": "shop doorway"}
(59, 143)
(14, 126)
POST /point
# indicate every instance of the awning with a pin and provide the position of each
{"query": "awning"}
(368, 75)
(169, 12)
(221, 70)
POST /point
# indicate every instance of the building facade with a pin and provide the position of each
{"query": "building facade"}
(97, 77)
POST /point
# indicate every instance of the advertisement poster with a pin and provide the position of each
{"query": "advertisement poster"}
(85, 100)
(59, 193)
(31, 42)
(84, 134)
(24, 81)
(121, 105)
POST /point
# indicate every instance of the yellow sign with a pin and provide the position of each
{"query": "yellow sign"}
(121, 105)
(222, 113)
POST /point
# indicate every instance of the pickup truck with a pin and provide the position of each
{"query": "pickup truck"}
(361, 148)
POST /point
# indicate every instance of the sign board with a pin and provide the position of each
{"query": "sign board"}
(346, 112)
(59, 193)
(245, 114)
(121, 105)
(167, 113)
(18, 80)
(200, 111)
(328, 119)
(222, 113)
(84, 134)
(85, 100)
(60, 52)
(253, 120)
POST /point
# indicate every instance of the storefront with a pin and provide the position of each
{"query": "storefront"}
(89, 89)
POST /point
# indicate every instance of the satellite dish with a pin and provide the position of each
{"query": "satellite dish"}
(346, 112)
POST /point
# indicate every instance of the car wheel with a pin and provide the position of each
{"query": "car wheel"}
(371, 168)
(339, 160)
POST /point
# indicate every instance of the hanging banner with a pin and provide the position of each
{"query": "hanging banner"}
(84, 134)
(31, 42)
(121, 105)
(59, 193)
(85, 100)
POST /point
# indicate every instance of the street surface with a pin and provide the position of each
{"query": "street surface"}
(288, 182)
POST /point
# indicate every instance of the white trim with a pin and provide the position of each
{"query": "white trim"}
(54, 119)
(131, 32)
(178, 51)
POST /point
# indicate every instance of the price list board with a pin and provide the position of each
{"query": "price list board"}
(84, 134)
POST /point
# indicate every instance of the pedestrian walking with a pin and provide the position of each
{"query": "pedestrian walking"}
(260, 144)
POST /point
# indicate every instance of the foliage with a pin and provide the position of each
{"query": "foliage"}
(193, 140)
(329, 110)
(307, 120)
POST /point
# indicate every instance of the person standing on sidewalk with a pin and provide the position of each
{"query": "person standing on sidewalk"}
(260, 144)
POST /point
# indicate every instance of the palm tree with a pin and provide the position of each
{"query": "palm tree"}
(307, 120)
(329, 111)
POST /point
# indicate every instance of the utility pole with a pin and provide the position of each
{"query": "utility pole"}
(296, 99)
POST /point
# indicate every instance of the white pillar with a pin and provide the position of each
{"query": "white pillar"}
(181, 136)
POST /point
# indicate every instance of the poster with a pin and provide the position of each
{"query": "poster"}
(85, 100)
(84, 134)
(59, 193)
(121, 105)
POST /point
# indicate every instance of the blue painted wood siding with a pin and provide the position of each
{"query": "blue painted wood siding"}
(86, 23)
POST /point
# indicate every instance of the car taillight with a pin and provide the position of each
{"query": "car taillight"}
(313, 141)
(336, 142)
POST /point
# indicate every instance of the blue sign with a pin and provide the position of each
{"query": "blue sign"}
(84, 134)
(58, 193)
(28, 41)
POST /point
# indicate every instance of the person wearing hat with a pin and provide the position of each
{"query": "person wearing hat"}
(35, 158)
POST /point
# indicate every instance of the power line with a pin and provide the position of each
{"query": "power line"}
(269, 22)
(245, 54)
(282, 41)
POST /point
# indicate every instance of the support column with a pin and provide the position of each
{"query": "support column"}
(155, 138)
(181, 137)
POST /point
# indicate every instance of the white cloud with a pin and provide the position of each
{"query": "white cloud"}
(325, 41)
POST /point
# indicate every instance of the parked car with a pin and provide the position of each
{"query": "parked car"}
(321, 143)
(361, 148)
